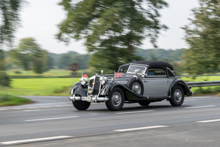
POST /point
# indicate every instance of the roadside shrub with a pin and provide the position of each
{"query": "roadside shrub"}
(207, 90)
(4, 98)
(17, 72)
(5, 80)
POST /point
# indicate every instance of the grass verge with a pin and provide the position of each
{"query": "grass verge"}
(9, 100)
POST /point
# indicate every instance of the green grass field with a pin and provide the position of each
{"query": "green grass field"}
(41, 86)
(62, 86)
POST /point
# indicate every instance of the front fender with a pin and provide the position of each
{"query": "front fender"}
(108, 87)
(78, 89)
(185, 87)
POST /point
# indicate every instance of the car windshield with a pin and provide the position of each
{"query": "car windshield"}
(124, 69)
(132, 69)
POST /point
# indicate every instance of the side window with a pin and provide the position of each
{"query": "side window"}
(155, 72)
(170, 73)
(123, 69)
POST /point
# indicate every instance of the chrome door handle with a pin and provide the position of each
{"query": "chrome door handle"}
(145, 80)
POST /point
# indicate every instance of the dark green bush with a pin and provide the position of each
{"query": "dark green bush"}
(17, 72)
(5, 80)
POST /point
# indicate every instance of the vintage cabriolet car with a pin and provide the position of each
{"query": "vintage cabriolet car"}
(140, 82)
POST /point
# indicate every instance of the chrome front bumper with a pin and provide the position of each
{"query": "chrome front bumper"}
(88, 99)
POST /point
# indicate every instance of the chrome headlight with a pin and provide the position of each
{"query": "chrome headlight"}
(103, 80)
(83, 80)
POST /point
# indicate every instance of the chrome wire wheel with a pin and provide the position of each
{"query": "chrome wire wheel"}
(116, 99)
(178, 95)
(136, 87)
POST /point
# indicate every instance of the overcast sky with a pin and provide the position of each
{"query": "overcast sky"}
(39, 19)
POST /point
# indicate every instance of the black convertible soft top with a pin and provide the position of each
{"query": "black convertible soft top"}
(153, 64)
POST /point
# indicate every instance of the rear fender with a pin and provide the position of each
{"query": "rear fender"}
(181, 83)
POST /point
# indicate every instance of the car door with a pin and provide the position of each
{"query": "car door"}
(156, 83)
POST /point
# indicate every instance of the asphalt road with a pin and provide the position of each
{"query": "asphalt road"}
(53, 121)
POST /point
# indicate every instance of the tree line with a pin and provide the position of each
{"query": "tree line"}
(28, 55)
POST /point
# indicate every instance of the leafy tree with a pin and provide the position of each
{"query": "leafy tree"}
(203, 36)
(160, 54)
(4, 78)
(29, 55)
(2, 60)
(9, 19)
(40, 61)
(112, 28)
(64, 61)
(82, 60)
(50, 62)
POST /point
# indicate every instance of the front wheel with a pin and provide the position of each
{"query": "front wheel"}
(81, 105)
(177, 96)
(116, 99)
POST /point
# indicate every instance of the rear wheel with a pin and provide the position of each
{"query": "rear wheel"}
(177, 96)
(116, 99)
(144, 103)
(81, 105)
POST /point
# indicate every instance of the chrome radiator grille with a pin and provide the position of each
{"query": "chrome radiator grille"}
(96, 86)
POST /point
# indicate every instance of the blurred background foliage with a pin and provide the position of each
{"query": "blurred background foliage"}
(9, 20)
(113, 31)
(203, 37)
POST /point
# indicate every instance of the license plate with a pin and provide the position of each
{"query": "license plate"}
(85, 99)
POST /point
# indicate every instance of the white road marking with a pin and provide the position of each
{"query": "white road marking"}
(200, 107)
(34, 140)
(134, 112)
(141, 128)
(208, 121)
(3, 109)
(56, 118)
(58, 105)
(16, 108)
(36, 107)
(31, 107)
(32, 110)
(40, 104)
(62, 105)
(188, 100)
(202, 97)
(45, 106)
